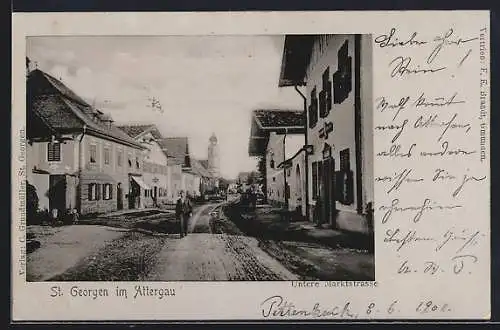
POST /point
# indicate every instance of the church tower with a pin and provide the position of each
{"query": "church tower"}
(213, 157)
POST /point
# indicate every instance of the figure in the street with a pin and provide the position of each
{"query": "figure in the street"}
(183, 211)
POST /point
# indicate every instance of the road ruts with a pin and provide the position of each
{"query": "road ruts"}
(219, 256)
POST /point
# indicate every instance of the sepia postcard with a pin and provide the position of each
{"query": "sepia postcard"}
(251, 166)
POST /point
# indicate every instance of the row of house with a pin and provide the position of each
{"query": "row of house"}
(319, 157)
(77, 158)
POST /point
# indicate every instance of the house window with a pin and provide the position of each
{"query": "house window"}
(345, 160)
(271, 162)
(94, 192)
(107, 156)
(313, 109)
(119, 158)
(107, 191)
(93, 153)
(137, 162)
(54, 152)
(129, 161)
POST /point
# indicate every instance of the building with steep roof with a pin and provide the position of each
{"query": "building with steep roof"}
(159, 170)
(177, 149)
(336, 73)
(76, 157)
(276, 135)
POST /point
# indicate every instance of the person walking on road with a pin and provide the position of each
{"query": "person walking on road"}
(183, 211)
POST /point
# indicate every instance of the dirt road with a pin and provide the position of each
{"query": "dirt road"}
(208, 253)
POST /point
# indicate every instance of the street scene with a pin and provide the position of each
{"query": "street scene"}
(217, 158)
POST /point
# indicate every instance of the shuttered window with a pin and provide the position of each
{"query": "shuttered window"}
(342, 78)
(313, 109)
(325, 96)
(94, 192)
(345, 163)
(54, 152)
(107, 191)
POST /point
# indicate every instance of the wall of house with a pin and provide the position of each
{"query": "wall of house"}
(278, 153)
(324, 55)
(175, 182)
(189, 184)
(37, 159)
(118, 172)
(274, 175)
(296, 179)
(155, 172)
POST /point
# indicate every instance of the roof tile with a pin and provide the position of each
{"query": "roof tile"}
(279, 118)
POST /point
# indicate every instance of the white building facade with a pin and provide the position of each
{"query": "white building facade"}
(337, 73)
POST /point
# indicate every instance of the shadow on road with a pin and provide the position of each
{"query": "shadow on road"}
(269, 225)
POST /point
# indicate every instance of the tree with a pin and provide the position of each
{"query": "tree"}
(31, 204)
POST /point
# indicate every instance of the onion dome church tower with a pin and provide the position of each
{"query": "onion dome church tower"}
(213, 157)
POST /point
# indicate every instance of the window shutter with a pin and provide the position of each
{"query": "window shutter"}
(313, 113)
(342, 79)
(329, 96)
(314, 180)
(322, 104)
(98, 191)
(89, 192)
(327, 93)
(339, 186)
(311, 116)
(349, 187)
(54, 152)
(345, 163)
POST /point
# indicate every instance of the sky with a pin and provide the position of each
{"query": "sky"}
(205, 84)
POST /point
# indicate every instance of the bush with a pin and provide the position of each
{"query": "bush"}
(43, 216)
(31, 205)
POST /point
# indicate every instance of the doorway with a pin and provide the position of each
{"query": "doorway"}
(119, 196)
(298, 197)
(57, 192)
(328, 192)
(134, 194)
